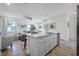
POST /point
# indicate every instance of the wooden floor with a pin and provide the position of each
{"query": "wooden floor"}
(18, 50)
(62, 50)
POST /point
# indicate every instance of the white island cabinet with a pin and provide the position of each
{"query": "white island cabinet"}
(40, 45)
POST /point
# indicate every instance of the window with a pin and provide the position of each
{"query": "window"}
(29, 27)
(11, 26)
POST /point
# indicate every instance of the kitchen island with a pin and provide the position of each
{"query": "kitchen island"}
(40, 45)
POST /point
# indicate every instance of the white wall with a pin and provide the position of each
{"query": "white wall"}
(73, 27)
(61, 25)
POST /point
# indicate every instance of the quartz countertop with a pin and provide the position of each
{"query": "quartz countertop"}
(40, 35)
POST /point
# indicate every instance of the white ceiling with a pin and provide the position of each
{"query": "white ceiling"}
(37, 10)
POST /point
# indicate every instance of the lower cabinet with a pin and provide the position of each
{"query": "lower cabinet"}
(40, 46)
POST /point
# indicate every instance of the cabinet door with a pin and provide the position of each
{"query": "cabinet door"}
(33, 46)
(47, 47)
(41, 46)
(54, 41)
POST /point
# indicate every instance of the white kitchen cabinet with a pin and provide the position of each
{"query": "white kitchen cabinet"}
(41, 45)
